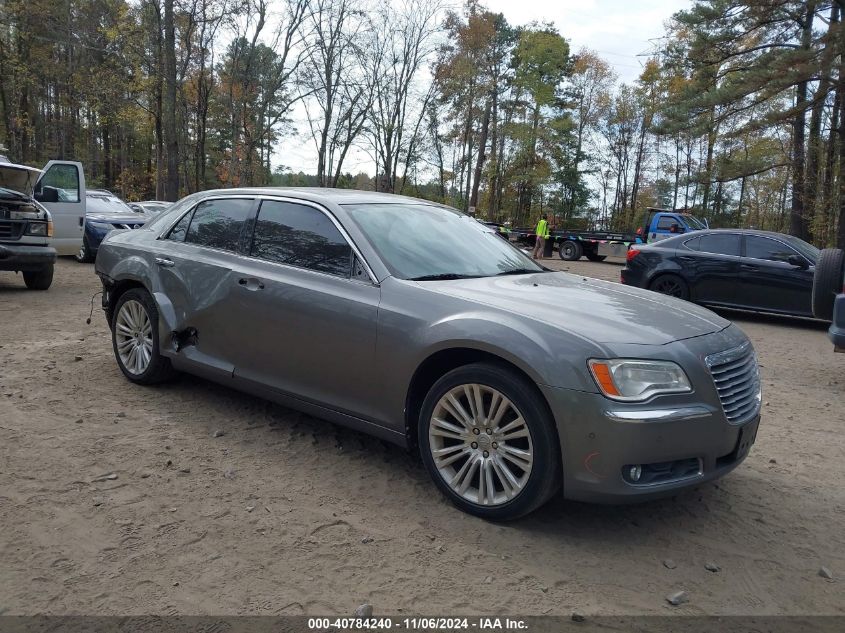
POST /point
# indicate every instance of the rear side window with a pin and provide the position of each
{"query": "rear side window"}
(765, 248)
(218, 223)
(302, 236)
(720, 244)
(693, 243)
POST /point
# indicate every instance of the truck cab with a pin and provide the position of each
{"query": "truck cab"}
(42, 215)
(661, 223)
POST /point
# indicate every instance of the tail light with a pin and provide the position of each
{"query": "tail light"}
(632, 253)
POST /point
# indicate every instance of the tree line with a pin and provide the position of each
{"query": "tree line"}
(736, 114)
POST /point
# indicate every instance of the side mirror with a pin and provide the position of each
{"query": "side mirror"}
(798, 261)
(47, 194)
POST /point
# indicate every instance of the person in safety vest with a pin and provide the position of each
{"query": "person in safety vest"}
(542, 234)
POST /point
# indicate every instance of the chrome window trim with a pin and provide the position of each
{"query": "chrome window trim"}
(168, 227)
(260, 198)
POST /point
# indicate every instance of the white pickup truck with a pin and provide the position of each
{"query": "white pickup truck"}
(42, 215)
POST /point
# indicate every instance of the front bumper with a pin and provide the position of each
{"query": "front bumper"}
(26, 257)
(837, 328)
(600, 441)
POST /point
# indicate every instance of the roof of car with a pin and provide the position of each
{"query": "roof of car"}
(742, 231)
(338, 196)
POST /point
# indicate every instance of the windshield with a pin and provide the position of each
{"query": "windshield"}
(807, 250)
(693, 222)
(104, 203)
(418, 241)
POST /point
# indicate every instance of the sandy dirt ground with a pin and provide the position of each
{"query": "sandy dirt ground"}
(118, 499)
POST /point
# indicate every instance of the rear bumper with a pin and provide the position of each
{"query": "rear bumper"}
(25, 257)
(837, 328)
(600, 442)
(631, 277)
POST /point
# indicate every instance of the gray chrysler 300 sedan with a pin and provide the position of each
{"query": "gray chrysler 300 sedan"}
(418, 324)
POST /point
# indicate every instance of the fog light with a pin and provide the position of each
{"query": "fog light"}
(635, 473)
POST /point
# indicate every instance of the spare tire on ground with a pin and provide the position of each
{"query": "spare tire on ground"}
(828, 281)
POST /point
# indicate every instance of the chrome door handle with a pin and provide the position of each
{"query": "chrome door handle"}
(167, 263)
(251, 283)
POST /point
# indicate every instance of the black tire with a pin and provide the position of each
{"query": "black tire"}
(83, 255)
(38, 279)
(671, 285)
(828, 281)
(595, 257)
(544, 478)
(570, 251)
(159, 368)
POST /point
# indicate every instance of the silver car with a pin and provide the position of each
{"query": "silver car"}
(413, 322)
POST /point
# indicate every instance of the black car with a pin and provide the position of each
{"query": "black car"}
(732, 268)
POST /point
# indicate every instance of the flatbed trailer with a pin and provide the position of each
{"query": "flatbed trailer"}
(594, 245)
(599, 245)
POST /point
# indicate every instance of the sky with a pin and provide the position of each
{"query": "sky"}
(620, 31)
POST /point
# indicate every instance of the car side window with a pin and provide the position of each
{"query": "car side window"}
(218, 223)
(302, 236)
(63, 178)
(765, 248)
(180, 229)
(693, 244)
(720, 244)
(665, 222)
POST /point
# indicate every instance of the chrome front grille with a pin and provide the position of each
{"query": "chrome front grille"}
(737, 379)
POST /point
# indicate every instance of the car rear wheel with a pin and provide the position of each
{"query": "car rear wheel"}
(828, 281)
(135, 339)
(38, 279)
(671, 285)
(488, 442)
(83, 255)
(570, 251)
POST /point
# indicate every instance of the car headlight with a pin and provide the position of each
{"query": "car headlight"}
(100, 226)
(633, 380)
(39, 229)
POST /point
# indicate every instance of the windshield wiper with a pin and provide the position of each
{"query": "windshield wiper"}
(521, 271)
(443, 277)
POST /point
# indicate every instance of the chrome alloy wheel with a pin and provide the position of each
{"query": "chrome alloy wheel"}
(133, 334)
(480, 444)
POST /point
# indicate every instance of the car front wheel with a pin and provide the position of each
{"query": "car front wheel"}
(135, 339)
(38, 279)
(488, 442)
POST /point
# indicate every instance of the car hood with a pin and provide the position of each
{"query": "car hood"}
(600, 311)
(118, 218)
(18, 178)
